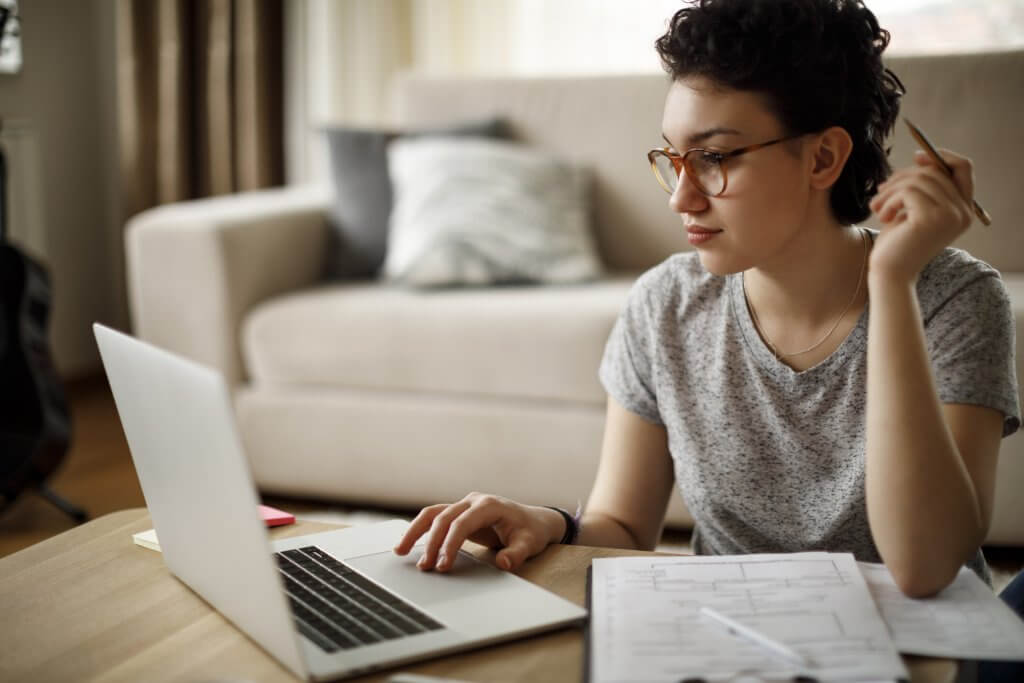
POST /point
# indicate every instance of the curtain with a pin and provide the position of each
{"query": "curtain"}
(200, 100)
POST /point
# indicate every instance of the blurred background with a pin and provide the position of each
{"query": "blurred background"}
(110, 107)
(71, 108)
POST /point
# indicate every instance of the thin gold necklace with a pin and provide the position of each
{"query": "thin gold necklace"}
(775, 349)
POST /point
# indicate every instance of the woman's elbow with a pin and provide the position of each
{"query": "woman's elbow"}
(925, 569)
(922, 581)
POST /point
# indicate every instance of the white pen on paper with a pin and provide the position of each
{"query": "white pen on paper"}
(757, 637)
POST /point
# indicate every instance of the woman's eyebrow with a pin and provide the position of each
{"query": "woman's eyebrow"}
(705, 135)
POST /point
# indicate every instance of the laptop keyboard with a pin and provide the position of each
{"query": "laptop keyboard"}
(338, 608)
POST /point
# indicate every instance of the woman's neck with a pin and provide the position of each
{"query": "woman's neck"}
(811, 279)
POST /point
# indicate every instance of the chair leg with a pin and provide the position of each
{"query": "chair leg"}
(67, 507)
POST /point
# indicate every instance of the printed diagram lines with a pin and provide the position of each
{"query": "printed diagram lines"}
(649, 625)
(782, 574)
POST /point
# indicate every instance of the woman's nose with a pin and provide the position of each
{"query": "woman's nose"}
(687, 198)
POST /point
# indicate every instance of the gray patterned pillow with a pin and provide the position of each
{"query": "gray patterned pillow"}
(359, 214)
(471, 211)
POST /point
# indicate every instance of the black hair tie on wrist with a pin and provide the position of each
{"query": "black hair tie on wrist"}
(570, 526)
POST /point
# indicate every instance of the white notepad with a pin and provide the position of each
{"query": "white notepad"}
(965, 621)
(147, 539)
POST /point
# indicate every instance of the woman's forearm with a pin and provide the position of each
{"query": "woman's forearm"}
(923, 509)
(602, 530)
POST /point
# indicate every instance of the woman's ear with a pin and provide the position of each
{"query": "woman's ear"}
(832, 149)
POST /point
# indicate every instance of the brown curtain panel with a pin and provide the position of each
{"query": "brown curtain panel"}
(199, 98)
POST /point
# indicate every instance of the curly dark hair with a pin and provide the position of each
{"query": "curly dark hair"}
(818, 62)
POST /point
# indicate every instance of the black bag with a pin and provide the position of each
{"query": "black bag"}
(35, 425)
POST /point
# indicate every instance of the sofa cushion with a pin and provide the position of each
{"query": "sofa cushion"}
(531, 342)
(470, 211)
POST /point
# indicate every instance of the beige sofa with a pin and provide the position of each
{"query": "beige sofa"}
(379, 395)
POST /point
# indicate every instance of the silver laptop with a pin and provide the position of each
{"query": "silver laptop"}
(326, 605)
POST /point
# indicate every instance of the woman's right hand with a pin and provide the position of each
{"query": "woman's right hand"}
(520, 531)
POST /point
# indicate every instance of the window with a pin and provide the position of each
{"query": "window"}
(537, 37)
(930, 26)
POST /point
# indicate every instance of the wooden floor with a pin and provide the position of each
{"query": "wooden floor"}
(98, 475)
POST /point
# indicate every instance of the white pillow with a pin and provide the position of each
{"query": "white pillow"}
(476, 211)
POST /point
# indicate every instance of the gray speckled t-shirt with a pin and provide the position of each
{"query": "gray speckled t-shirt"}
(769, 459)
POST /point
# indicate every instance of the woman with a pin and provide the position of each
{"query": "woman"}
(749, 370)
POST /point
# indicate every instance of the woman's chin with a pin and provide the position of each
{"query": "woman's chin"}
(718, 264)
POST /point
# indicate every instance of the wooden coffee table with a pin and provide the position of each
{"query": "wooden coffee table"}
(91, 605)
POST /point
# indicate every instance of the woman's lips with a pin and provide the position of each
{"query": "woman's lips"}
(697, 234)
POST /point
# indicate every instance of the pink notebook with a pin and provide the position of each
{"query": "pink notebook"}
(275, 517)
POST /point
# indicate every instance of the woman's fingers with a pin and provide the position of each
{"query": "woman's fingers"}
(922, 209)
(479, 517)
(483, 514)
(963, 169)
(515, 553)
(929, 189)
(910, 198)
(931, 178)
(419, 526)
(440, 530)
(916, 205)
(448, 526)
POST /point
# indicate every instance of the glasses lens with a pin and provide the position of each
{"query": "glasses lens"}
(705, 170)
(666, 172)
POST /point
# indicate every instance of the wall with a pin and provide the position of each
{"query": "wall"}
(65, 95)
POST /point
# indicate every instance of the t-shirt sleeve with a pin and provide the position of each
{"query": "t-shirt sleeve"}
(627, 366)
(971, 345)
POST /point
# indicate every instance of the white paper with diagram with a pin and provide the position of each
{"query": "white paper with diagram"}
(646, 624)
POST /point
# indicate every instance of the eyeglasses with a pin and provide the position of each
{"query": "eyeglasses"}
(703, 167)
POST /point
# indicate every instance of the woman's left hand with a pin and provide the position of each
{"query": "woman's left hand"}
(922, 210)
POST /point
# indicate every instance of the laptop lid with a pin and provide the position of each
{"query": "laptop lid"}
(179, 422)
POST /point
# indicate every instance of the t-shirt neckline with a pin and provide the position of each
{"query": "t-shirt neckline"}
(850, 346)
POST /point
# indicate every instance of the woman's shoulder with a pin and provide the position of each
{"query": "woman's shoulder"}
(954, 273)
(680, 277)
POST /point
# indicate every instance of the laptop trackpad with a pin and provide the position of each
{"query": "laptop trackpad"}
(400, 575)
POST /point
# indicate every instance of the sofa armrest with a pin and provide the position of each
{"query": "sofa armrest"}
(195, 267)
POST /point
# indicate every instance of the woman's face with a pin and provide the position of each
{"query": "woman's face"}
(767, 199)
